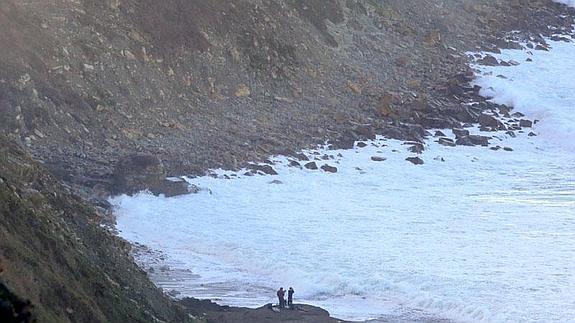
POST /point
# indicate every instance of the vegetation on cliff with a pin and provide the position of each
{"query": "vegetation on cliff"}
(55, 253)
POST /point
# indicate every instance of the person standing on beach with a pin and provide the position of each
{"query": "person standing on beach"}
(281, 293)
(290, 298)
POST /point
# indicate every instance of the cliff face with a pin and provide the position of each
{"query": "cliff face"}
(215, 83)
(55, 254)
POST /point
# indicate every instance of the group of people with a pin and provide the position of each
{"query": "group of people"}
(281, 297)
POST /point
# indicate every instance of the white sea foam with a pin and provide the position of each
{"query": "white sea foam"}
(542, 89)
(567, 2)
(474, 235)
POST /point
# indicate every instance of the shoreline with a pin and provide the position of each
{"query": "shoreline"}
(169, 280)
(452, 100)
(426, 93)
(259, 313)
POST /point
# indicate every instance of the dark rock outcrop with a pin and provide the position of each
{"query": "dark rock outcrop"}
(464, 141)
(460, 132)
(138, 172)
(171, 188)
(490, 122)
(489, 61)
(524, 123)
(329, 169)
(311, 166)
(266, 169)
(447, 142)
(345, 141)
(265, 314)
(479, 140)
(416, 148)
(365, 132)
(415, 160)
(293, 163)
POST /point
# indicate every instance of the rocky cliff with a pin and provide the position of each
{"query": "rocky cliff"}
(217, 83)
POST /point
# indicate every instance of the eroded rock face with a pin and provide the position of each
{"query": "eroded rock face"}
(137, 172)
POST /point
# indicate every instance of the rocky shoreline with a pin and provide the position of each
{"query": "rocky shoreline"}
(403, 115)
(473, 110)
(112, 138)
(218, 99)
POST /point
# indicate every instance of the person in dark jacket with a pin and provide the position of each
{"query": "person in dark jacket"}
(281, 294)
(290, 298)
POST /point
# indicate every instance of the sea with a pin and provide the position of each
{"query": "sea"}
(472, 235)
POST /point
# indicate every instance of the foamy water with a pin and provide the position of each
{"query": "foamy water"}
(567, 2)
(542, 89)
(474, 235)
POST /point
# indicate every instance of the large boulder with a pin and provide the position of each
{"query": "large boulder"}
(329, 169)
(311, 166)
(138, 172)
(415, 160)
(489, 60)
(464, 141)
(365, 132)
(345, 141)
(479, 140)
(170, 188)
(490, 122)
(458, 132)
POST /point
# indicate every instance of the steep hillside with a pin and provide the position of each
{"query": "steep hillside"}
(216, 83)
(55, 254)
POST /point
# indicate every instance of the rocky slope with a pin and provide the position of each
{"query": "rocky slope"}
(208, 84)
(193, 84)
